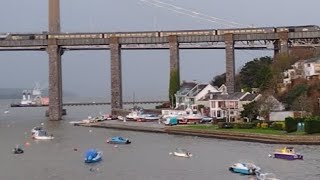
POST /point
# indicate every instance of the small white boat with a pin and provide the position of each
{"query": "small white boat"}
(182, 153)
(265, 176)
(151, 117)
(42, 135)
(35, 129)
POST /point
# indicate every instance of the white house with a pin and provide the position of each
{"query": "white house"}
(311, 67)
(190, 93)
(229, 106)
(302, 69)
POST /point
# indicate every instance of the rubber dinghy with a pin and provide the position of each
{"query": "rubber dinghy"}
(93, 156)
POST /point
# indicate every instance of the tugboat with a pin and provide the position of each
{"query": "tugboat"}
(287, 153)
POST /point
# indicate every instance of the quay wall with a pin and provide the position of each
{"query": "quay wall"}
(249, 137)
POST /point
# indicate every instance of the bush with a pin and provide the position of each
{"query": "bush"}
(312, 125)
(290, 124)
(225, 125)
(278, 126)
(264, 125)
(244, 125)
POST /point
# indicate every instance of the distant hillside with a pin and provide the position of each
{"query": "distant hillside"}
(16, 93)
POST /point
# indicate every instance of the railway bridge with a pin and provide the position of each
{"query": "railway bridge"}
(279, 39)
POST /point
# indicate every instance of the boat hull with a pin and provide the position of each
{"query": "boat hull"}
(181, 154)
(43, 137)
(242, 171)
(119, 142)
(95, 159)
(288, 156)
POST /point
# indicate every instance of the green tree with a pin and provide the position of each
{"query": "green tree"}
(219, 80)
(256, 73)
(174, 85)
(294, 95)
(250, 111)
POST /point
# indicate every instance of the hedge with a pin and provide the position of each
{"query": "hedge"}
(225, 125)
(312, 125)
(244, 125)
(278, 126)
(290, 124)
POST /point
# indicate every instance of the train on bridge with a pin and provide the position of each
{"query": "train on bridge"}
(46, 35)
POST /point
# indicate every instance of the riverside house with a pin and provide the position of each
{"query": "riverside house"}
(228, 106)
(191, 92)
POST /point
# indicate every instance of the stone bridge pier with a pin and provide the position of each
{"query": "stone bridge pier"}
(116, 74)
(230, 63)
(55, 80)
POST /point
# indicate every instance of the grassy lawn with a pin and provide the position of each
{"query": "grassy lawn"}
(253, 131)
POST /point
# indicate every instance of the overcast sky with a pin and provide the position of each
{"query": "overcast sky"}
(145, 73)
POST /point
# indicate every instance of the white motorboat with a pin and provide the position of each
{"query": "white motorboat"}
(135, 115)
(35, 129)
(151, 117)
(244, 168)
(42, 135)
(182, 153)
(265, 176)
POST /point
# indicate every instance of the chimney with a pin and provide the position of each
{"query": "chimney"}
(211, 96)
(29, 97)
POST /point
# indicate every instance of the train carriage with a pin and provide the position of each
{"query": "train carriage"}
(187, 32)
(75, 36)
(246, 30)
(131, 34)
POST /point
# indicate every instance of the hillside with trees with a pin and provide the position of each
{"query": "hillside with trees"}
(266, 74)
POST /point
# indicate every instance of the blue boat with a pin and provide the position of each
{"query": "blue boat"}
(244, 168)
(118, 140)
(93, 156)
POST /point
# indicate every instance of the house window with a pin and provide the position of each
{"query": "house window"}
(213, 104)
(213, 113)
(308, 65)
(221, 104)
(218, 113)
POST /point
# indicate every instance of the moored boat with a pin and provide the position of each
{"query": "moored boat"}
(42, 135)
(118, 140)
(150, 117)
(35, 129)
(17, 150)
(265, 176)
(93, 156)
(244, 168)
(287, 153)
(182, 153)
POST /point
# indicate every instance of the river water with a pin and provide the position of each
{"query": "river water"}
(147, 158)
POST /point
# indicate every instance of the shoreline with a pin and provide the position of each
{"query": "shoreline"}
(217, 134)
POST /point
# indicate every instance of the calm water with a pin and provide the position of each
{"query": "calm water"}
(147, 158)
